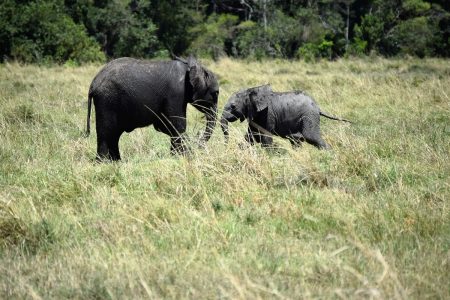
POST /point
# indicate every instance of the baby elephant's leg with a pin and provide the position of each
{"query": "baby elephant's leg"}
(266, 140)
(250, 137)
(311, 131)
(296, 139)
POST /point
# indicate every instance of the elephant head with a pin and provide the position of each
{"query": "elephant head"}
(245, 104)
(204, 95)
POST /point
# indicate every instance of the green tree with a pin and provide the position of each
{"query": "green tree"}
(122, 28)
(174, 20)
(398, 27)
(212, 36)
(87, 30)
(7, 27)
(414, 36)
(43, 32)
(369, 33)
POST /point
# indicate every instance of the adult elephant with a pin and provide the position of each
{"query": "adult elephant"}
(130, 93)
(292, 115)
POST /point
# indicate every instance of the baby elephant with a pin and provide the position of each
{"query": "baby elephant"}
(292, 115)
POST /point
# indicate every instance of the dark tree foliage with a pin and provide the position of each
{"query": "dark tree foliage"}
(36, 31)
(94, 30)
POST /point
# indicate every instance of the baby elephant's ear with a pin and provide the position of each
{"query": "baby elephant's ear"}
(260, 97)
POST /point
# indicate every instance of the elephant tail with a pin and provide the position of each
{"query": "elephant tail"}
(88, 122)
(333, 117)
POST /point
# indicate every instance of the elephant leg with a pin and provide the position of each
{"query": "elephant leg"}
(266, 141)
(254, 136)
(250, 137)
(311, 131)
(102, 149)
(296, 139)
(108, 134)
(257, 136)
(175, 128)
(113, 144)
(108, 146)
(177, 145)
(176, 133)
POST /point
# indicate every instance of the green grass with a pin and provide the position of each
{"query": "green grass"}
(369, 219)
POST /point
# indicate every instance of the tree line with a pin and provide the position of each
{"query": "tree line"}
(81, 31)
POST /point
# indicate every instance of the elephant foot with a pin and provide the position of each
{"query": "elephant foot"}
(106, 159)
(180, 149)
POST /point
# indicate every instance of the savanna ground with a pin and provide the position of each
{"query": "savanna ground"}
(368, 219)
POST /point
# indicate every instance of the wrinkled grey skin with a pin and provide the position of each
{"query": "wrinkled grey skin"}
(292, 115)
(130, 93)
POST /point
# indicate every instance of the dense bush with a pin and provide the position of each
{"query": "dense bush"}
(368, 34)
(414, 37)
(82, 31)
(212, 36)
(312, 52)
(43, 32)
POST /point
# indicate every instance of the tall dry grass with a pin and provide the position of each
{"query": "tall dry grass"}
(369, 219)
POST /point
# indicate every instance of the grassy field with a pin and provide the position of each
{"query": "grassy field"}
(368, 219)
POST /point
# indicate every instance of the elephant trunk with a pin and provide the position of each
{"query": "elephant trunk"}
(224, 126)
(211, 117)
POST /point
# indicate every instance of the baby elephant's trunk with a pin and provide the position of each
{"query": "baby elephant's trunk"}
(224, 126)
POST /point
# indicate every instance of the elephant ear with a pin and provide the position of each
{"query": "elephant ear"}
(260, 96)
(197, 77)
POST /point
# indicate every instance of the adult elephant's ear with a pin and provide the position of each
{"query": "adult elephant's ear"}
(196, 78)
(259, 96)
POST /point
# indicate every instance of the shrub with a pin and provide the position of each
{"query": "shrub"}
(310, 52)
